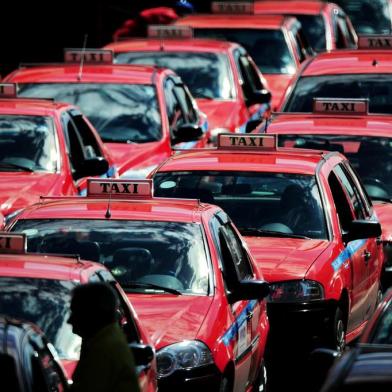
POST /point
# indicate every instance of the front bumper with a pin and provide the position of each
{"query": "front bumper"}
(207, 377)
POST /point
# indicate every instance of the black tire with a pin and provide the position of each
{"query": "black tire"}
(261, 381)
(336, 335)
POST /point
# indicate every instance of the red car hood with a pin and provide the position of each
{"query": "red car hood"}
(277, 85)
(285, 258)
(384, 215)
(18, 190)
(170, 319)
(138, 155)
(220, 114)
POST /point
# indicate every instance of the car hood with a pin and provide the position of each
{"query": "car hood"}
(169, 318)
(138, 155)
(285, 258)
(18, 190)
(277, 85)
(220, 114)
(384, 215)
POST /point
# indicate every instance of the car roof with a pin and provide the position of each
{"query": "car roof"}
(183, 45)
(284, 160)
(309, 123)
(290, 7)
(350, 62)
(234, 21)
(92, 73)
(43, 266)
(32, 106)
(149, 209)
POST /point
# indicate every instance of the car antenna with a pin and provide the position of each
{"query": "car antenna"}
(108, 213)
(82, 58)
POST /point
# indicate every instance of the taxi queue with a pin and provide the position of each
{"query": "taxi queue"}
(237, 240)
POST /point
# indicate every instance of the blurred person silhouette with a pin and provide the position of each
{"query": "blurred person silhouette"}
(106, 363)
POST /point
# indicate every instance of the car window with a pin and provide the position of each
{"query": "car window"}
(281, 203)
(175, 112)
(27, 143)
(138, 253)
(207, 75)
(121, 113)
(376, 87)
(314, 29)
(258, 43)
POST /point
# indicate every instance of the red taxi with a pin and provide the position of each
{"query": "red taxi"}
(185, 269)
(363, 73)
(139, 112)
(46, 149)
(325, 25)
(38, 288)
(221, 76)
(307, 221)
(276, 43)
(344, 125)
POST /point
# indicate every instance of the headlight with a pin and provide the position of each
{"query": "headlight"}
(296, 291)
(185, 355)
(141, 173)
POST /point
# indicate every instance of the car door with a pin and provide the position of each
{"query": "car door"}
(235, 266)
(349, 207)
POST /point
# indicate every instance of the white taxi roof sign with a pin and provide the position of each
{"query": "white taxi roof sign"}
(13, 243)
(169, 32)
(8, 90)
(95, 56)
(340, 106)
(241, 141)
(375, 41)
(123, 189)
(232, 7)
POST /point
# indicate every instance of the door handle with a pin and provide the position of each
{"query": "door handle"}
(366, 255)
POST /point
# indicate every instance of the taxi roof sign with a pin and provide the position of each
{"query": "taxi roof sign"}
(123, 189)
(95, 56)
(375, 42)
(12, 243)
(232, 7)
(240, 141)
(340, 105)
(8, 90)
(169, 32)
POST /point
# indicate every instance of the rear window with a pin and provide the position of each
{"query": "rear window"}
(314, 30)
(268, 48)
(376, 87)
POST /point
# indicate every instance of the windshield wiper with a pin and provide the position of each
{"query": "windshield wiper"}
(15, 166)
(253, 232)
(135, 285)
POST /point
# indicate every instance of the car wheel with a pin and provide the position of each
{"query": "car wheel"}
(261, 382)
(337, 333)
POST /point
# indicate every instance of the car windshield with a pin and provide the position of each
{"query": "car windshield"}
(370, 156)
(27, 143)
(207, 75)
(314, 30)
(258, 43)
(281, 203)
(46, 303)
(167, 254)
(376, 87)
(383, 330)
(121, 113)
(368, 16)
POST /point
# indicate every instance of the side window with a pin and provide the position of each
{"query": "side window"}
(173, 107)
(298, 45)
(183, 95)
(238, 254)
(352, 191)
(340, 199)
(90, 144)
(244, 78)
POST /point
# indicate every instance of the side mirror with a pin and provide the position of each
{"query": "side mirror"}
(95, 166)
(362, 228)
(187, 133)
(249, 289)
(261, 96)
(142, 353)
